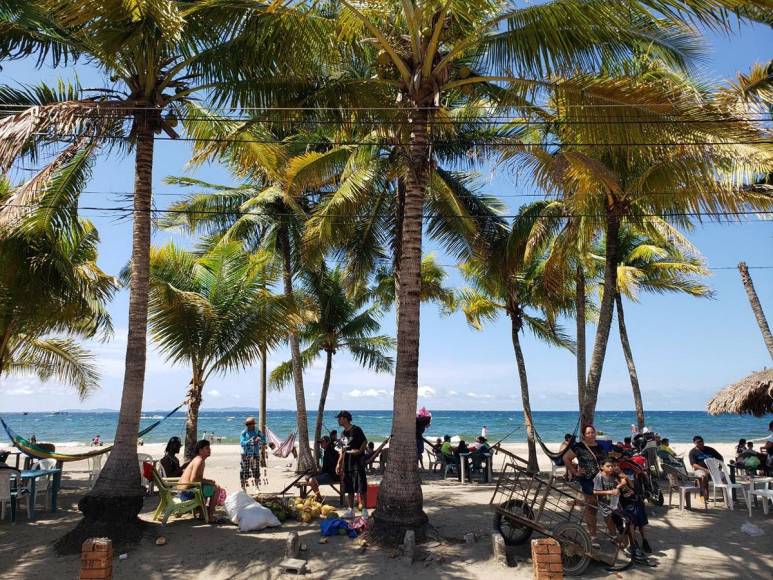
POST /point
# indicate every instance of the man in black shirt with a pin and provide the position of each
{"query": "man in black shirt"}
(327, 474)
(698, 456)
(351, 464)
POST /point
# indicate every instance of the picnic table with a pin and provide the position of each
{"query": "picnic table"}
(32, 475)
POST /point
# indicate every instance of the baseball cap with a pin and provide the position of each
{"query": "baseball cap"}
(345, 414)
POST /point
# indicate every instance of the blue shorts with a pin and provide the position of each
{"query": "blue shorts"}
(586, 485)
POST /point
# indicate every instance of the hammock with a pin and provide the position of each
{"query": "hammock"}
(28, 448)
(282, 448)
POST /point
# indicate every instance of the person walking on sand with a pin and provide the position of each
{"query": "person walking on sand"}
(251, 441)
(351, 464)
(194, 473)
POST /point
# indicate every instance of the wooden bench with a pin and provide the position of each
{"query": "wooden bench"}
(303, 490)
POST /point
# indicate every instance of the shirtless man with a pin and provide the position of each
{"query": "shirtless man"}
(194, 472)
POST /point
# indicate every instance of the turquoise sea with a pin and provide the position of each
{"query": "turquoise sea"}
(679, 426)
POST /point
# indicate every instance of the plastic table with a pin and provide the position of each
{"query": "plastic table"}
(32, 475)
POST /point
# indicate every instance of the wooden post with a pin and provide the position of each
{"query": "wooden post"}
(97, 559)
(546, 559)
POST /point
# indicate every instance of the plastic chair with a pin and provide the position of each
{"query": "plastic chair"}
(169, 502)
(7, 496)
(448, 466)
(43, 484)
(146, 483)
(435, 460)
(95, 466)
(765, 494)
(719, 481)
(681, 483)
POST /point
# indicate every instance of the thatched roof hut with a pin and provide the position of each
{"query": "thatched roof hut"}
(752, 395)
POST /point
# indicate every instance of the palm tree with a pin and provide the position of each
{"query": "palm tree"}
(50, 285)
(656, 265)
(699, 160)
(510, 280)
(336, 322)
(434, 56)
(754, 301)
(211, 311)
(163, 53)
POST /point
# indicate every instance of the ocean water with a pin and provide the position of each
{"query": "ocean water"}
(679, 426)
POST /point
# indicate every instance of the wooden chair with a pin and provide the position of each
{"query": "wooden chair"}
(169, 503)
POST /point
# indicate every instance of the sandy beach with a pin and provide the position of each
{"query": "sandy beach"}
(683, 542)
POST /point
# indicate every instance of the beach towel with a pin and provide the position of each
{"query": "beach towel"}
(281, 448)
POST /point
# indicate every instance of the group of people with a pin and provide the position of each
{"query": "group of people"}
(453, 455)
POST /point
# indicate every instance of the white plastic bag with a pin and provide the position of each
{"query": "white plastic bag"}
(256, 517)
(235, 502)
(247, 513)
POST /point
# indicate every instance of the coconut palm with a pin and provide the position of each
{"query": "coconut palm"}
(656, 265)
(159, 54)
(754, 302)
(434, 56)
(51, 290)
(210, 311)
(684, 156)
(335, 321)
(509, 280)
(433, 285)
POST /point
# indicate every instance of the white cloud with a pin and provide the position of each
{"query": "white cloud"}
(426, 391)
(480, 396)
(214, 393)
(453, 393)
(368, 393)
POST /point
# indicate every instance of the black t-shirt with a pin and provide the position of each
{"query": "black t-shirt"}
(171, 466)
(353, 439)
(589, 458)
(698, 456)
(329, 460)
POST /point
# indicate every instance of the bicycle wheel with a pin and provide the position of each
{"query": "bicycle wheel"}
(575, 547)
(512, 530)
(656, 494)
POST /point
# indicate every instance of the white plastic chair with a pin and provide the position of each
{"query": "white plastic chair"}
(5, 494)
(765, 494)
(43, 484)
(719, 481)
(146, 483)
(95, 466)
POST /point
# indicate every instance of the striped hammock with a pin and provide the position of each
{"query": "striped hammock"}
(282, 448)
(28, 448)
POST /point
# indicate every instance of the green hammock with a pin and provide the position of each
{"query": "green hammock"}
(28, 448)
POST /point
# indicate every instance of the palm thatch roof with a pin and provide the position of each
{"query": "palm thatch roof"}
(752, 395)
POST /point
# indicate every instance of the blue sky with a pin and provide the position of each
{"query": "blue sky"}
(685, 349)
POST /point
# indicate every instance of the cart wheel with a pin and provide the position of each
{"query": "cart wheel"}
(511, 529)
(575, 547)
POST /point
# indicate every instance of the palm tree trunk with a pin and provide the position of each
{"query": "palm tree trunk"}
(400, 498)
(629, 361)
(111, 506)
(322, 400)
(305, 460)
(192, 421)
(515, 326)
(263, 387)
(754, 300)
(606, 312)
(579, 303)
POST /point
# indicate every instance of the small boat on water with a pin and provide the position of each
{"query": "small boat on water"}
(25, 413)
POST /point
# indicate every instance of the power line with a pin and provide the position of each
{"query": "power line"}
(467, 142)
(664, 215)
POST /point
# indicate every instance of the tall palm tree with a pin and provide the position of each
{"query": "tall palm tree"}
(754, 301)
(335, 322)
(685, 155)
(510, 280)
(434, 56)
(160, 54)
(50, 285)
(656, 265)
(211, 311)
